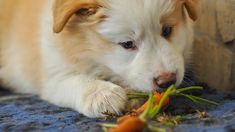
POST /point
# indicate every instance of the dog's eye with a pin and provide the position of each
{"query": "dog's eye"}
(128, 45)
(166, 31)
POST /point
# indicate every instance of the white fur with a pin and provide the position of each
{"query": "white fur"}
(11, 74)
(140, 21)
(64, 87)
(67, 85)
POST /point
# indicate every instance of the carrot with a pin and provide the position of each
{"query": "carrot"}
(157, 97)
(123, 118)
(137, 123)
(130, 124)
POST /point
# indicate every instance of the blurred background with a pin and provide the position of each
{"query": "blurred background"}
(214, 46)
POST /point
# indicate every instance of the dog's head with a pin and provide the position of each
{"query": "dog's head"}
(146, 42)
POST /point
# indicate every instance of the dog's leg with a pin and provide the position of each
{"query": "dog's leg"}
(87, 95)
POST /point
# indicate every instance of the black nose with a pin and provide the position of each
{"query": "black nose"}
(165, 80)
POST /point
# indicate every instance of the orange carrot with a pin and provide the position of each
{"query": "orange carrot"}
(130, 124)
(123, 118)
(157, 97)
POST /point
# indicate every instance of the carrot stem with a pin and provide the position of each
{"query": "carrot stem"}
(189, 88)
(199, 100)
(109, 125)
(189, 97)
(205, 100)
(144, 115)
(137, 95)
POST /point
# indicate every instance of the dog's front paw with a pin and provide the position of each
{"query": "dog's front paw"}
(104, 97)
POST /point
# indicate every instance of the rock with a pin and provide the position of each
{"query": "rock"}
(226, 19)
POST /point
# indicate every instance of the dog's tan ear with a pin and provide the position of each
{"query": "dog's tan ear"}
(192, 8)
(65, 9)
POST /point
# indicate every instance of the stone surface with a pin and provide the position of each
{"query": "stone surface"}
(213, 63)
(27, 113)
(226, 19)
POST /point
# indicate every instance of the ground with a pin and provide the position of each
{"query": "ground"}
(20, 112)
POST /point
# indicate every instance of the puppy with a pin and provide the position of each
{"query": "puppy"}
(86, 54)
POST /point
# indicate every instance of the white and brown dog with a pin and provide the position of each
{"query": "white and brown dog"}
(96, 50)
